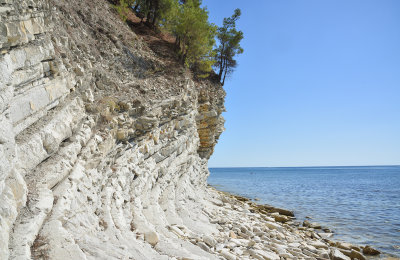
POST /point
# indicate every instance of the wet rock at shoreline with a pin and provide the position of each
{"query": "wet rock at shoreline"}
(356, 254)
(367, 250)
(270, 209)
(280, 218)
(337, 255)
(308, 224)
(325, 235)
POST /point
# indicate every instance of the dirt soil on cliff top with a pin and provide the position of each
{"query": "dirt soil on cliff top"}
(128, 60)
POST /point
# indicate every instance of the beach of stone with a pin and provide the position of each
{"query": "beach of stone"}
(248, 230)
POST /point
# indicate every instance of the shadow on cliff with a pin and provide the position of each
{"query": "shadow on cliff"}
(160, 43)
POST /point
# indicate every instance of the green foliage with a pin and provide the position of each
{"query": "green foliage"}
(229, 39)
(195, 35)
(188, 22)
(156, 12)
(169, 11)
(123, 7)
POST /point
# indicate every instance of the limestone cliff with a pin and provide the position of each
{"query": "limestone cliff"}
(103, 141)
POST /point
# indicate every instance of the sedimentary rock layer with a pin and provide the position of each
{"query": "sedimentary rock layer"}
(102, 143)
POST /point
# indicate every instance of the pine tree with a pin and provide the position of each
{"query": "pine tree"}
(229, 39)
(156, 12)
(195, 35)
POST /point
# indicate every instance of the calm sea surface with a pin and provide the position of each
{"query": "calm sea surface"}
(360, 204)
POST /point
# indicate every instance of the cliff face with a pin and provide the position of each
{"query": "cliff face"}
(103, 142)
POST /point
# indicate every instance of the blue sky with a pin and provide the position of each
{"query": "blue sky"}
(318, 84)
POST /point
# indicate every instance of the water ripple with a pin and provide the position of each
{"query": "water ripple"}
(361, 204)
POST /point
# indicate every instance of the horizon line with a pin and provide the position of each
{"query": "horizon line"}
(313, 166)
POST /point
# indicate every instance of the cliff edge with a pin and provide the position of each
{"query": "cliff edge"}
(103, 141)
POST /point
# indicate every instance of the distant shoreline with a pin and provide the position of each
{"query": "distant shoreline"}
(329, 166)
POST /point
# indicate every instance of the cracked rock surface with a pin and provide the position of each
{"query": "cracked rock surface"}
(99, 138)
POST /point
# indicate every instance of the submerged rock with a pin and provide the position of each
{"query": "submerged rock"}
(308, 224)
(270, 209)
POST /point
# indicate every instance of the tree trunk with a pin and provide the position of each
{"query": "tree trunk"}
(220, 73)
(223, 81)
(148, 18)
(154, 20)
(155, 14)
(222, 68)
(183, 55)
(221, 62)
(226, 70)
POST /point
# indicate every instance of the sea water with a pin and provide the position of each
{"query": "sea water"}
(360, 204)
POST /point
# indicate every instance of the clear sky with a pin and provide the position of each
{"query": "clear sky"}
(318, 84)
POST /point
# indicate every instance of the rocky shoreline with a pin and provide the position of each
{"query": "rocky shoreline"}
(248, 230)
